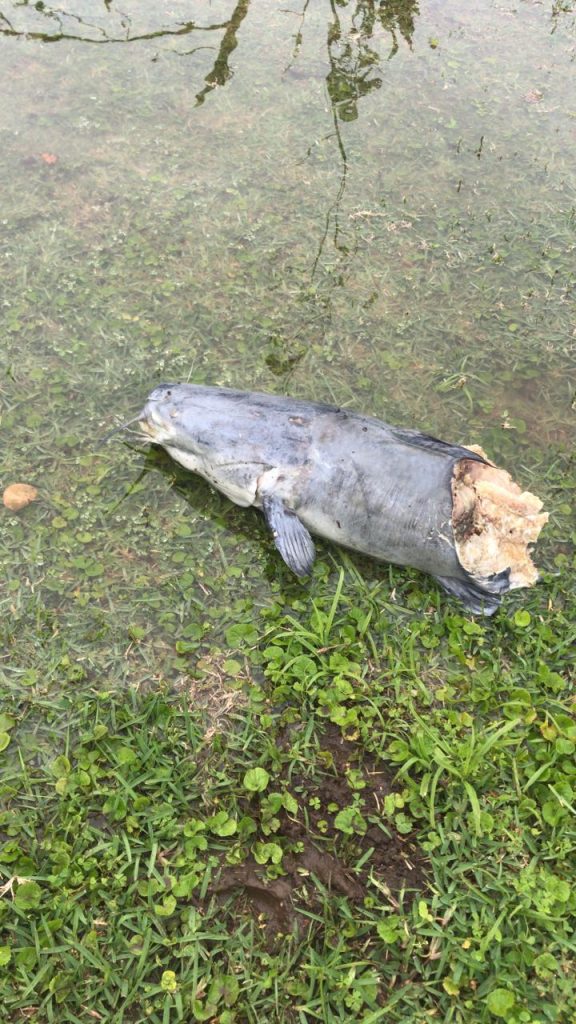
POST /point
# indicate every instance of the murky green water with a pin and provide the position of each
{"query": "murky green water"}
(371, 204)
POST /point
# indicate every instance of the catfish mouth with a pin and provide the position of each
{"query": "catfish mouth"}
(494, 522)
(156, 417)
(156, 425)
(147, 428)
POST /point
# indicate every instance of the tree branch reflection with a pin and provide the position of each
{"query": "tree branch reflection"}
(355, 72)
(221, 72)
(59, 16)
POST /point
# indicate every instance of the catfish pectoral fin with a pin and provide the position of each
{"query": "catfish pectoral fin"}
(290, 535)
(481, 597)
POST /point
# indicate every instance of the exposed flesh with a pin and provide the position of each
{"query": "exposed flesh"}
(494, 521)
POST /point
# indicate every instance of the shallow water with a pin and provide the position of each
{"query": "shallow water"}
(374, 205)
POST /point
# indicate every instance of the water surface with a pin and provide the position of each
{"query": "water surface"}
(367, 204)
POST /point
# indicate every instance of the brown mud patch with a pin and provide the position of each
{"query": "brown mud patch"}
(324, 859)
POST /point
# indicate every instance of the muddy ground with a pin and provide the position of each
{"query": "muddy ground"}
(327, 858)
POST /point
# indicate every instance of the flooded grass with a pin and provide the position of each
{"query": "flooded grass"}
(225, 794)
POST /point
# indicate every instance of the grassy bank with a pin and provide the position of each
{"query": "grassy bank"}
(354, 803)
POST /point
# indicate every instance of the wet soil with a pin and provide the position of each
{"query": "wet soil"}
(324, 859)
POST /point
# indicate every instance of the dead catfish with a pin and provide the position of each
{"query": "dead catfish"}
(396, 495)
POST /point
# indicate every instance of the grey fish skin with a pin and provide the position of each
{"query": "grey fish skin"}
(380, 490)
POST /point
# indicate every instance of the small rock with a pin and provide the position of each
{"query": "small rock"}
(17, 496)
